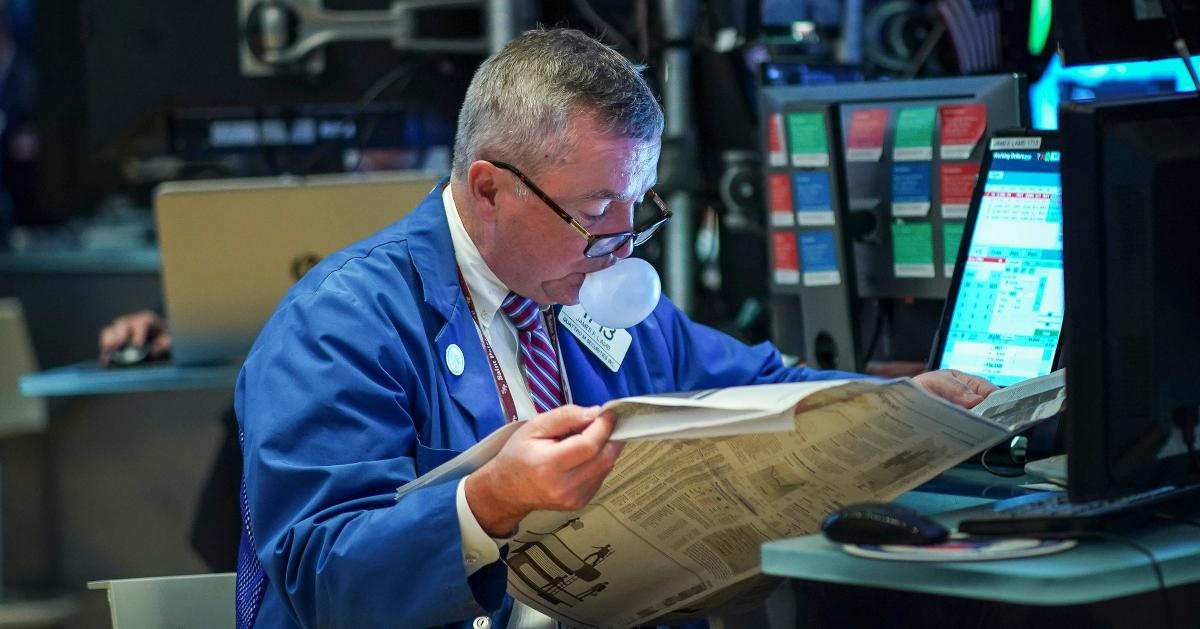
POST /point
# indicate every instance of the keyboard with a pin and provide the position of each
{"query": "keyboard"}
(1054, 515)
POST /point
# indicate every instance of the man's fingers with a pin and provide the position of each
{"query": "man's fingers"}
(944, 385)
(600, 464)
(978, 388)
(160, 345)
(961, 394)
(108, 339)
(562, 421)
(579, 448)
(587, 478)
(981, 385)
(139, 329)
(113, 336)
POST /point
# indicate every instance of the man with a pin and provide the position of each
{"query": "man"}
(397, 353)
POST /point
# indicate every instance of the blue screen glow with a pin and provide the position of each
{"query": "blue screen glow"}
(1009, 311)
(1089, 82)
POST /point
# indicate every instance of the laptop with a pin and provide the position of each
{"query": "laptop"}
(1003, 317)
(232, 248)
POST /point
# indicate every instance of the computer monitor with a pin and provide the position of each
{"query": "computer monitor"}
(1131, 256)
(1004, 313)
(1099, 31)
(867, 223)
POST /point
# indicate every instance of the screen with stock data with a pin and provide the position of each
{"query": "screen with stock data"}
(1008, 313)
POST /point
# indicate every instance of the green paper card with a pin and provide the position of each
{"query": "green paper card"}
(912, 249)
(806, 135)
(914, 134)
(951, 237)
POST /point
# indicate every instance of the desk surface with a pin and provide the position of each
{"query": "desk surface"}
(139, 260)
(1093, 571)
(88, 378)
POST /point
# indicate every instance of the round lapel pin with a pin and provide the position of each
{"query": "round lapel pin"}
(455, 361)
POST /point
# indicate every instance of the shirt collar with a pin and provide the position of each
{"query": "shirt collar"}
(487, 291)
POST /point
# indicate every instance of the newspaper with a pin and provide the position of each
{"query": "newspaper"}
(708, 476)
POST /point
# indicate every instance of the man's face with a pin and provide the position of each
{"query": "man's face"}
(598, 183)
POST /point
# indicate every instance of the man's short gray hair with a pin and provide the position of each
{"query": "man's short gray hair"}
(521, 99)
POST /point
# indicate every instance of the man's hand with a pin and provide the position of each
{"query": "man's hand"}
(556, 461)
(139, 329)
(955, 386)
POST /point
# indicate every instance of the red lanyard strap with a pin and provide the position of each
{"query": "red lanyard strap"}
(506, 399)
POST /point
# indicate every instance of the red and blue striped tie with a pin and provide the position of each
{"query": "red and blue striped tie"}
(537, 353)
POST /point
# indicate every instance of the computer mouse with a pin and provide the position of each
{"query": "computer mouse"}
(129, 354)
(881, 523)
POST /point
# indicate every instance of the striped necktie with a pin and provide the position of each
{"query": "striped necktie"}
(537, 353)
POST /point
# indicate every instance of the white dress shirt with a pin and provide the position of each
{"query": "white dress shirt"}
(487, 292)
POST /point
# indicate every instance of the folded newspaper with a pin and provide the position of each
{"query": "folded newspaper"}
(709, 476)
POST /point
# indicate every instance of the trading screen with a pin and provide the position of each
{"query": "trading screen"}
(1009, 311)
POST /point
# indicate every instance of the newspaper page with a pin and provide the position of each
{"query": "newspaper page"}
(680, 520)
(677, 526)
(1026, 402)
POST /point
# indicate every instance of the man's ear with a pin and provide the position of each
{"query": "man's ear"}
(483, 185)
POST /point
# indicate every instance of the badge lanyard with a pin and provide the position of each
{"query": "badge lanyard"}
(506, 398)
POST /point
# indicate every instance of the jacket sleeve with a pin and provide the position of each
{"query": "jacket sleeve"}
(330, 401)
(705, 358)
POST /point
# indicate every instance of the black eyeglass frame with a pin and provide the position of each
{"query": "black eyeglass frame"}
(639, 235)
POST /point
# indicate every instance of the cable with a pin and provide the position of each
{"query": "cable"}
(643, 29)
(1179, 43)
(983, 463)
(1190, 440)
(926, 49)
(382, 84)
(1158, 573)
(606, 29)
(1178, 520)
(870, 350)
(1187, 428)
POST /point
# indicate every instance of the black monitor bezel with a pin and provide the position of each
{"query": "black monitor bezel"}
(1098, 464)
(1049, 141)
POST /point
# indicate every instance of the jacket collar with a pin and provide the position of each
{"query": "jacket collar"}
(432, 253)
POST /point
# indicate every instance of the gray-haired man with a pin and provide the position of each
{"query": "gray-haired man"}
(398, 352)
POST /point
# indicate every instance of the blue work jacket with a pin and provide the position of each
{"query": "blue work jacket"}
(346, 395)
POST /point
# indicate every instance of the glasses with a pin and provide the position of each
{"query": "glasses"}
(600, 245)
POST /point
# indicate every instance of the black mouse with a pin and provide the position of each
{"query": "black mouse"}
(881, 523)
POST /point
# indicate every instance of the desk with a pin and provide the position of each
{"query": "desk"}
(86, 505)
(197, 600)
(88, 378)
(1097, 575)
(99, 261)
(1094, 571)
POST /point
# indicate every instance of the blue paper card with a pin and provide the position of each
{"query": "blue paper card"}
(819, 262)
(814, 201)
(911, 189)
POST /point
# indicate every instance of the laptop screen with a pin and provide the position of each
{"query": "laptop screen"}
(1008, 307)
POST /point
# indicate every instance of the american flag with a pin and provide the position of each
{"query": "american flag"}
(974, 27)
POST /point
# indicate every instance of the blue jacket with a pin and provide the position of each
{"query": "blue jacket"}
(346, 395)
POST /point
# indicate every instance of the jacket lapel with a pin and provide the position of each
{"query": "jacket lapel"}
(432, 250)
(474, 389)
